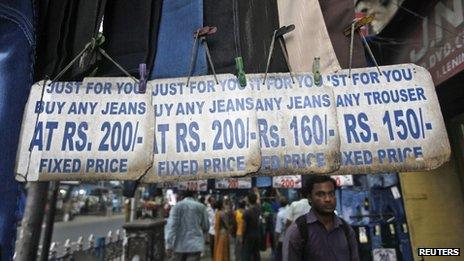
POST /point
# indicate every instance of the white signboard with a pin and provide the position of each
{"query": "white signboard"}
(287, 182)
(368, 122)
(296, 123)
(201, 132)
(100, 128)
(233, 183)
(343, 180)
(193, 185)
(390, 121)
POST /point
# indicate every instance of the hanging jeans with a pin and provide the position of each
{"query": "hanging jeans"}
(131, 32)
(17, 41)
(179, 20)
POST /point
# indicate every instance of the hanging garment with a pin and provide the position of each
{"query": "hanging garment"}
(87, 19)
(65, 27)
(222, 44)
(258, 19)
(352, 205)
(179, 20)
(309, 39)
(131, 32)
(338, 14)
(51, 20)
(17, 42)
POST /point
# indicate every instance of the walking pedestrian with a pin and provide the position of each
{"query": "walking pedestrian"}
(280, 226)
(239, 235)
(320, 234)
(297, 209)
(222, 230)
(211, 216)
(252, 235)
(187, 223)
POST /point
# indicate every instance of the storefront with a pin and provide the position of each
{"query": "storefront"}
(431, 35)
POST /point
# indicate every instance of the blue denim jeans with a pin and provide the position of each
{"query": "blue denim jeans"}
(175, 40)
(17, 41)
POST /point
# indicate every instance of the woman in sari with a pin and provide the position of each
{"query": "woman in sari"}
(222, 227)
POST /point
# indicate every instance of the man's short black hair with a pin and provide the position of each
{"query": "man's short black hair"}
(315, 179)
(252, 198)
(242, 204)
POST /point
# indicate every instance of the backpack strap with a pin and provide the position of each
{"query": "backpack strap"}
(303, 229)
(346, 231)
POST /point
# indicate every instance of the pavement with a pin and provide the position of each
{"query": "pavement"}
(100, 225)
(265, 255)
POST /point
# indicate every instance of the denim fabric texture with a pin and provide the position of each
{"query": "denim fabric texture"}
(179, 20)
(352, 206)
(258, 19)
(17, 41)
(140, 21)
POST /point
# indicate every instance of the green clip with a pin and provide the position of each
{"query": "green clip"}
(100, 39)
(240, 72)
(317, 71)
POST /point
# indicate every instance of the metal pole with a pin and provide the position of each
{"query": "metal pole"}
(132, 209)
(49, 221)
(32, 221)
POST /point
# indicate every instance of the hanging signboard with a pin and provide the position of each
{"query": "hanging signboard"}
(233, 183)
(97, 129)
(297, 128)
(366, 122)
(287, 182)
(193, 185)
(199, 133)
(389, 121)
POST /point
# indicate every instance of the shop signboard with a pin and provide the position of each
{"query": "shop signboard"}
(193, 185)
(435, 42)
(343, 180)
(287, 182)
(98, 129)
(233, 183)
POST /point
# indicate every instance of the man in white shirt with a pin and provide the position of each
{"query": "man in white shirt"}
(187, 223)
(281, 226)
(211, 216)
(297, 209)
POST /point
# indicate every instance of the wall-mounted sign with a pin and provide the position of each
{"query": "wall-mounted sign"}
(193, 185)
(287, 181)
(343, 180)
(233, 183)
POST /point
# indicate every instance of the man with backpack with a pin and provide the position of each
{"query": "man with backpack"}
(320, 234)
